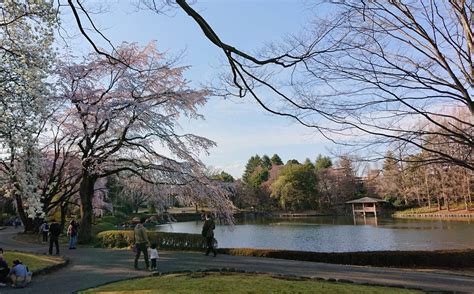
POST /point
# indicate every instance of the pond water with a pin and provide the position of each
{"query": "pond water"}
(329, 234)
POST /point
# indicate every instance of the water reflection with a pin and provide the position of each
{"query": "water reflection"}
(328, 234)
(365, 220)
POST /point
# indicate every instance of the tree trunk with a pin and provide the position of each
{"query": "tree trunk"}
(469, 191)
(427, 191)
(27, 222)
(86, 192)
(63, 215)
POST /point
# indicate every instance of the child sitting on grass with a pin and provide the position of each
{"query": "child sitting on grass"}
(19, 274)
(153, 253)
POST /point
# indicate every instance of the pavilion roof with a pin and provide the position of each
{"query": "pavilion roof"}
(366, 200)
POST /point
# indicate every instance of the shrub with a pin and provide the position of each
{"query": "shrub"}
(110, 219)
(440, 258)
(4, 217)
(178, 241)
(102, 226)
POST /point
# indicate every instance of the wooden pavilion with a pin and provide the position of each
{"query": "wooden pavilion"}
(365, 205)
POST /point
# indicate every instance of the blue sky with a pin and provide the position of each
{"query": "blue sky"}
(240, 128)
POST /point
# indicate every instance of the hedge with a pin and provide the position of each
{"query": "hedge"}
(422, 259)
(164, 240)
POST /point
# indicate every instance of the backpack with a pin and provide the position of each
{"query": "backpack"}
(45, 227)
(72, 230)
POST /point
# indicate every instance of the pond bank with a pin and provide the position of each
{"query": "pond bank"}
(444, 259)
(310, 214)
(447, 216)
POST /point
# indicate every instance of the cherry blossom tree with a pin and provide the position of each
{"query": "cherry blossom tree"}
(60, 169)
(125, 116)
(26, 36)
(137, 192)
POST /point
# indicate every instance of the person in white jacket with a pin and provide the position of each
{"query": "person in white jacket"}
(153, 253)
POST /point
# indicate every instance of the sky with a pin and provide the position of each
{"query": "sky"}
(240, 128)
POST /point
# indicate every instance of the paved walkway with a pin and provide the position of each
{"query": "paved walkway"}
(90, 267)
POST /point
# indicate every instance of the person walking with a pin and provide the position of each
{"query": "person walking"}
(54, 232)
(72, 233)
(208, 233)
(17, 222)
(141, 241)
(153, 253)
(44, 230)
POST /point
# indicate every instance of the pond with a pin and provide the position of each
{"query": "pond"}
(329, 234)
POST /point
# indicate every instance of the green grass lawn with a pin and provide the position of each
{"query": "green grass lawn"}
(234, 283)
(34, 262)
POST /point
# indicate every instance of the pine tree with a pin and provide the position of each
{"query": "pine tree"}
(276, 160)
(250, 167)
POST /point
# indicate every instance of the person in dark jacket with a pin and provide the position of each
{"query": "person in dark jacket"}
(54, 232)
(208, 233)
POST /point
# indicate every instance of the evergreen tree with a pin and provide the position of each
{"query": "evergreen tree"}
(295, 187)
(276, 160)
(309, 163)
(266, 162)
(323, 162)
(223, 177)
(257, 177)
(250, 167)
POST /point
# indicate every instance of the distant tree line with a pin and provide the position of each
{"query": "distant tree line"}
(410, 183)
(404, 181)
(268, 184)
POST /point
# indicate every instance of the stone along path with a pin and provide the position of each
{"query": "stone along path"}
(91, 267)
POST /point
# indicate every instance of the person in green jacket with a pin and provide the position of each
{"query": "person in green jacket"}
(141, 241)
